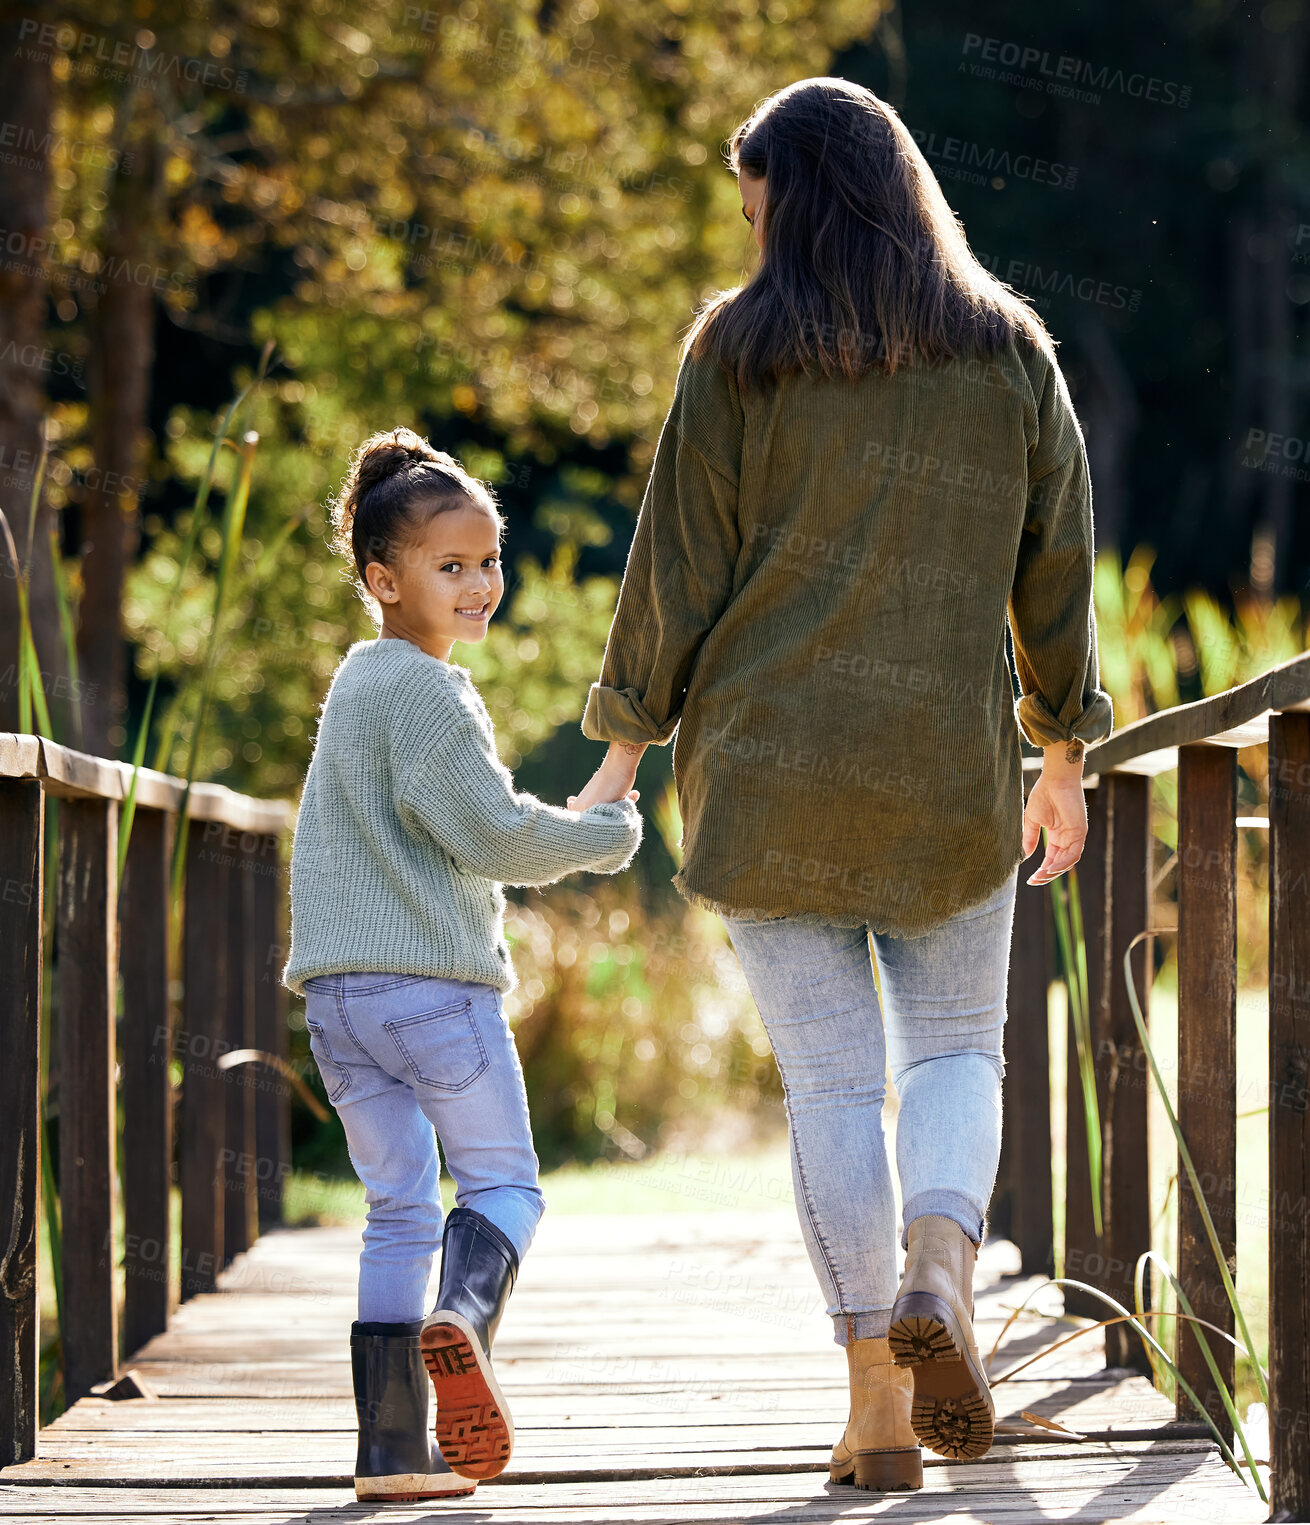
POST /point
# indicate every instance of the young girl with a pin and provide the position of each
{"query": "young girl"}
(408, 826)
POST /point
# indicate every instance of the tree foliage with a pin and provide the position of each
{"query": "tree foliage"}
(486, 223)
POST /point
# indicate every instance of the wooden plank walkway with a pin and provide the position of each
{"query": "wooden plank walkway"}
(660, 1368)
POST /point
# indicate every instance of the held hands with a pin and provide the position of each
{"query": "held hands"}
(613, 780)
(1056, 802)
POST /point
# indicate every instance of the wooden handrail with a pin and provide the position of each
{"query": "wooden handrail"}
(1116, 878)
(77, 775)
(116, 936)
(1238, 717)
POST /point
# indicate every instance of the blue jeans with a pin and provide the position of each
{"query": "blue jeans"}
(940, 1027)
(408, 1060)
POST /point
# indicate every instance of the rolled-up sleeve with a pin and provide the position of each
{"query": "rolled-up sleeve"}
(680, 568)
(1052, 618)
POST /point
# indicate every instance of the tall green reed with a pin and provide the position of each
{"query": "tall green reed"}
(1073, 957)
(31, 684)
(35, 718)
(1157, 1352)
(235, 509)
(232, 531)
(32, 707)
(1185, 1158)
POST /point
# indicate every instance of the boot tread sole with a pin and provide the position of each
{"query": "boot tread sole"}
(474, 1432)
(952, 1412)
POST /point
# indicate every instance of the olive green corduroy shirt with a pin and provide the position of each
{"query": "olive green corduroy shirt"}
(816, 600)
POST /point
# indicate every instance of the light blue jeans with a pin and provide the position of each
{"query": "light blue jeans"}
(941, 1028)
(408, 1060)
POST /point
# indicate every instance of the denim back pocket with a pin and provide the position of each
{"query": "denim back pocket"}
(336, 1078)
(443, 1048)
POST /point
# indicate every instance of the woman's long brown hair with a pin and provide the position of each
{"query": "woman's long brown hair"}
(864, 263)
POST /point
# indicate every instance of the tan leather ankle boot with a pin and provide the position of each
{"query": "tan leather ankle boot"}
(878, 1450)
(932, 1335)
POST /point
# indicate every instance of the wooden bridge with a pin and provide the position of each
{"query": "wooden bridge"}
(674, 1368)
(660, 1368)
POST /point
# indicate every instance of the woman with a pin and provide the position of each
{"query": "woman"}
(870, 462)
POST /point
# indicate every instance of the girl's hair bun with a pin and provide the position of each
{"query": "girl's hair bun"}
(380, 458)
(396, 477)
(383, 455)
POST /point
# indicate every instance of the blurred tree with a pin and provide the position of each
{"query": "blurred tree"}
(1266, 289)
(1139, 168)
(132, 250)
(540, 206)
(24, 360)
(480, 210)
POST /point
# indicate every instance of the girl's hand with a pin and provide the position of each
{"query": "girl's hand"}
(1056, 802)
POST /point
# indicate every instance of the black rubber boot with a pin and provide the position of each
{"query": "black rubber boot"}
(478, 1267)
(398, 1461)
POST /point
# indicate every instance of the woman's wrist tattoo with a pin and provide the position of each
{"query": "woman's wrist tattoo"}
(1073, 750)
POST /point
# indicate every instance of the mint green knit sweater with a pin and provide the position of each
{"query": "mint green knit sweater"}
(409, 823)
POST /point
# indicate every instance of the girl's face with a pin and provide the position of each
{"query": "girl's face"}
(752, 202)
(446, 581)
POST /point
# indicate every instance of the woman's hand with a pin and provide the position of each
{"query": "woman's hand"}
(613, 780)
(1056, 801)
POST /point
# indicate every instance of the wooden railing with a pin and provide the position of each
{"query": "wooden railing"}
(1115, 880)
(233, 1148)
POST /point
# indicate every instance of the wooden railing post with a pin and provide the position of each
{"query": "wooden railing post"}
(999, 1222)
(1026, 1112)
(203, 1039)
(1083, 1258)
(146, 1049)
(1115, 892)
(87, 986)
(272, 1095)
(240, 1222)
(1127, 1179)
(1207, 1054)
(22, 824)
(1289, 1115)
